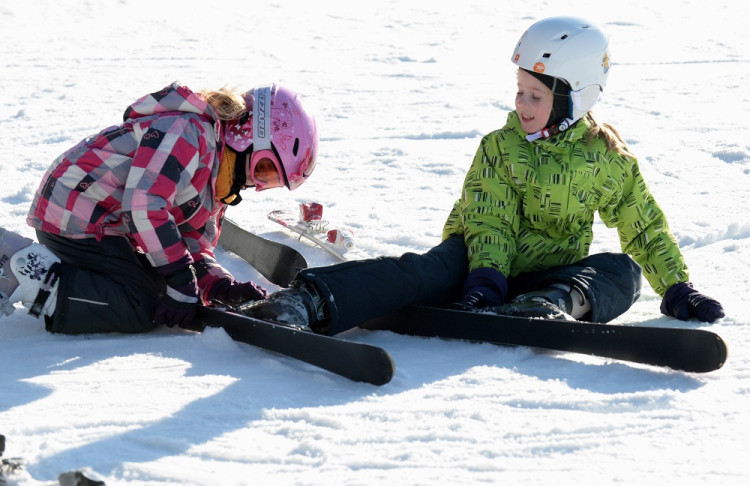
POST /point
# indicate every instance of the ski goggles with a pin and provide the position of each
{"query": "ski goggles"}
(265, 172)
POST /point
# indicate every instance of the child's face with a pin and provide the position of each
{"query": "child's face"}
(533, 102)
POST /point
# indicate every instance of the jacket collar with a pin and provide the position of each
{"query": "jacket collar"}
(573, 134)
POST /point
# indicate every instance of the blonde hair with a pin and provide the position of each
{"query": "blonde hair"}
(607, 133)
(227, 102)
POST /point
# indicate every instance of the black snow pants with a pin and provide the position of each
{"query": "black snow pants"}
(104, 286)
(361, 290)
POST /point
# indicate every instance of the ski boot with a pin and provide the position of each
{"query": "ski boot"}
(553, 302)
(300, 306)
(29, 273)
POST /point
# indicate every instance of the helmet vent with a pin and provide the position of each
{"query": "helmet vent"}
(295, 149)
(565, 36)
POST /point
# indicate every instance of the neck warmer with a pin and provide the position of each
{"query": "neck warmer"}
(228, 182)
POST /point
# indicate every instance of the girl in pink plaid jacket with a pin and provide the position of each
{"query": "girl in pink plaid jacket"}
(127, 220)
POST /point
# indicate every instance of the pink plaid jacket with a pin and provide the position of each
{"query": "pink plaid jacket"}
(150, 179)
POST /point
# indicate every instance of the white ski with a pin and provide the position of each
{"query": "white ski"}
(309, 224)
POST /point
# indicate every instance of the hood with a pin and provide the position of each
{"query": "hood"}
(173, 98)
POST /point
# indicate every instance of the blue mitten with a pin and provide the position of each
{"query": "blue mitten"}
(683, 302)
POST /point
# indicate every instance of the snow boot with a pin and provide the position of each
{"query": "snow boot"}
(299, 306)
(29, 273)
(10, 243)
(553, 302)
(536, 307)
(77, 478)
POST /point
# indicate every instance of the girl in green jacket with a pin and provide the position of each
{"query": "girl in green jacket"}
(518, 239)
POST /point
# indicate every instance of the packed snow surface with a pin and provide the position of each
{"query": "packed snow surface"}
(403, 91)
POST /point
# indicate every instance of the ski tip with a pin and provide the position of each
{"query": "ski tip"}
(707, 354)
(713, 359)
(386, 368)
(722, 352)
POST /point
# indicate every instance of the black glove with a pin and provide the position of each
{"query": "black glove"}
(178, 306)
(484, 287)
(230, 292)
(683, 302)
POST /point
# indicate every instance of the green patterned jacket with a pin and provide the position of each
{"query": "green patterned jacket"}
(528, 206)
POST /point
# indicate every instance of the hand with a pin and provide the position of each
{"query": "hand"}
(178, 306)
(683, 302)
(230, 292)
(484, 287)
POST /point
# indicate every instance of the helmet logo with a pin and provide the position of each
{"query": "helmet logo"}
(515, 59)
(605, 62)
(261, 119)
(261, 115)
(539, 67)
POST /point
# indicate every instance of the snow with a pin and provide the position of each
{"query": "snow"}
(403, 91)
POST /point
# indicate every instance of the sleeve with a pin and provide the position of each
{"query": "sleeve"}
(208, 271)
(643, 229)
(201, 245)
(166, 157)
(487, 214)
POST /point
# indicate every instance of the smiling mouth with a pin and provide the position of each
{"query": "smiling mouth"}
(527, 118)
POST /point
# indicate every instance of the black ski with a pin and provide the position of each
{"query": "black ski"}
(356, 361)
(693, 350)
(278, 262)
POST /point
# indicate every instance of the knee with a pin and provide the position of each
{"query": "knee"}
(621, 263)
(451, 254)
(626, 269)
(624, 263)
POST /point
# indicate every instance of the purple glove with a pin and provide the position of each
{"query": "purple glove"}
(484, 287)
(683, 302)
(177, 307)
(230, 292)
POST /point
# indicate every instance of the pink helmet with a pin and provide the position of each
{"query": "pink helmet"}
(276, 127)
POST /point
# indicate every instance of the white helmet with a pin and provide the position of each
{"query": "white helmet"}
(571, 49)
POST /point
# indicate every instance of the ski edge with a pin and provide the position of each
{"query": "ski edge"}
(356, 361)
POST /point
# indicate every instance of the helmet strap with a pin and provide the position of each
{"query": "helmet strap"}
(551, 130)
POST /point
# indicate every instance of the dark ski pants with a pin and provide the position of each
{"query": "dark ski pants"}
(103, 287)
(362, 290)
